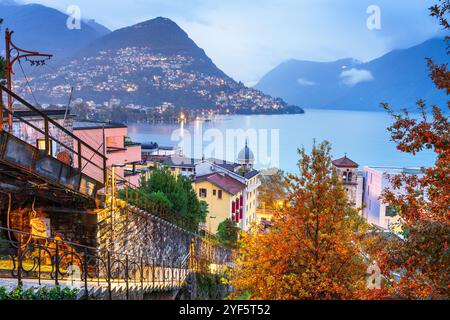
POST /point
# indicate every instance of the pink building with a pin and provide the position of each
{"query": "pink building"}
(119, 150)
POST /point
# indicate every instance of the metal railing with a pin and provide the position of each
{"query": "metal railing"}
(39, 261)
(51, 143)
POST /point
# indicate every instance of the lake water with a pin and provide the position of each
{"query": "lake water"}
(362, 135)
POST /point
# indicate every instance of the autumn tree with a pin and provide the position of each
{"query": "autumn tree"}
(420, 258)
(273, 188)
(314, 249)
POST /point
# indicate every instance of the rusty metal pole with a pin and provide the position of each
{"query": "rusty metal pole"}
(19, 261)
(47, 137)
(56, 263)
(9, 76)
(105, 163)
(1, 110)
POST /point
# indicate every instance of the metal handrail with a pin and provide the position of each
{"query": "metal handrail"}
(48, 119)
(51, 259)
(52, 138)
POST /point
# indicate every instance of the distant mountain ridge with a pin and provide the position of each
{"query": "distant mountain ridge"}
(153, 64)
(159, 35)
(399, 78)
(40, 28)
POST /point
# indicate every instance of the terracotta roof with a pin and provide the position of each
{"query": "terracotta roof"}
(224, 182)
(345, 162)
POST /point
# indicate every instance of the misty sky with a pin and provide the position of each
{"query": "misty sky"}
(247, 38)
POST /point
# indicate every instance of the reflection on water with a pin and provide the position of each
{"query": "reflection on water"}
(362, 135)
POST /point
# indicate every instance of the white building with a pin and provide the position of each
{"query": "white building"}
(377, 179)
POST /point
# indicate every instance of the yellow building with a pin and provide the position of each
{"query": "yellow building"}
(224, 196)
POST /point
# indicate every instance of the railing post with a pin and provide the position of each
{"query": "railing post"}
(39, 266)
(164, 274)
(79, 155)
(153, 273)
(1, 109)
(86, 293)
(142, 274)
(56, 262)
(19, 261)
(172, 269)
(108, 274)
(126, 275)
(179, 273)
(47, 137)
(105, 170)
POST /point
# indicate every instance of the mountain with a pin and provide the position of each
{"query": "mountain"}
(153, 64)
(160, 36)
(399, 78)
(39, 28)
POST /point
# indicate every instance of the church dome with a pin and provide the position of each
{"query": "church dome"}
(246, 155)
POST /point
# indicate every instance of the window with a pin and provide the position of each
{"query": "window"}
(220, 194)
(203, 193)
(391, 211)
(350, 176)
(214, 192)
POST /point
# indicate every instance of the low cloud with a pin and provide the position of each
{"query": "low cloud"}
(352, 77)
(305, 82)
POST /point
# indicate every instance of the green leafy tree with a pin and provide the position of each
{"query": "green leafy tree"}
(174, 195)
(160, 202)
(228, 233)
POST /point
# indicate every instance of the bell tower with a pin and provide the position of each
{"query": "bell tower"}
(347, 171)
